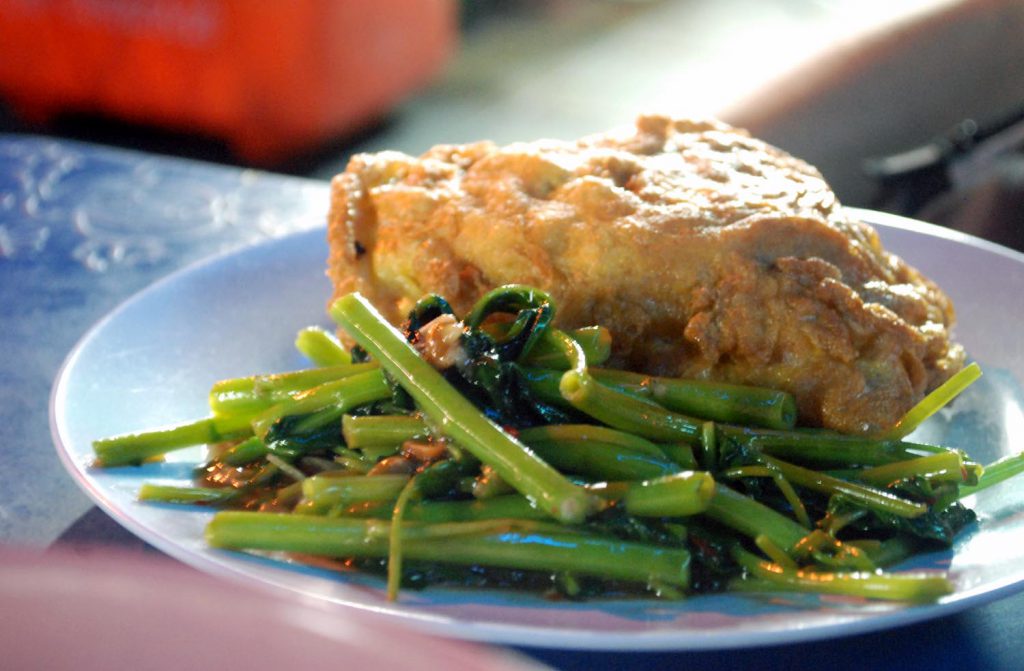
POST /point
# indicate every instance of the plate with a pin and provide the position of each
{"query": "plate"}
(151, 362)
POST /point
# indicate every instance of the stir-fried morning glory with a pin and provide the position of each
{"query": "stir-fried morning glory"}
(494, 449)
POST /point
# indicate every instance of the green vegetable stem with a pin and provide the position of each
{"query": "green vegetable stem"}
(515, 544)
(457, 418)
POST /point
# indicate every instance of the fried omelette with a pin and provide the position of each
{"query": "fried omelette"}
(707, 253)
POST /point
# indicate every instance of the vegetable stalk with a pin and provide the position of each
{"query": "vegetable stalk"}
(528, 549)
(867, 496)
(457, 418)
(626, 412)
(321, 347)
(134, 448)
(717, 401)
(914, 587)
(249, 395)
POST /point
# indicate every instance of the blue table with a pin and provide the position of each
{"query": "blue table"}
(83, 227)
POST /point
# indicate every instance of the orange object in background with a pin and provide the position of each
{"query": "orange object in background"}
(270, 78)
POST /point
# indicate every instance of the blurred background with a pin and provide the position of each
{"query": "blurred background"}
(913, 106)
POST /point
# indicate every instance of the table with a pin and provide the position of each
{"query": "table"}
(83, 227)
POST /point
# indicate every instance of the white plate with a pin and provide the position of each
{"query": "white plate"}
(152, 360)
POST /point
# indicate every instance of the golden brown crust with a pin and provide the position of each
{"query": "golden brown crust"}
(707, 253)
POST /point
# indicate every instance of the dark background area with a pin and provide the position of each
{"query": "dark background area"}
(891, 101)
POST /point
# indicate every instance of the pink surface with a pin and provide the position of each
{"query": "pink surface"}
(106, 610)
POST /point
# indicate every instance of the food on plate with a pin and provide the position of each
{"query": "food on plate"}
(708, 254)
(599, 368)
(491, 448)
